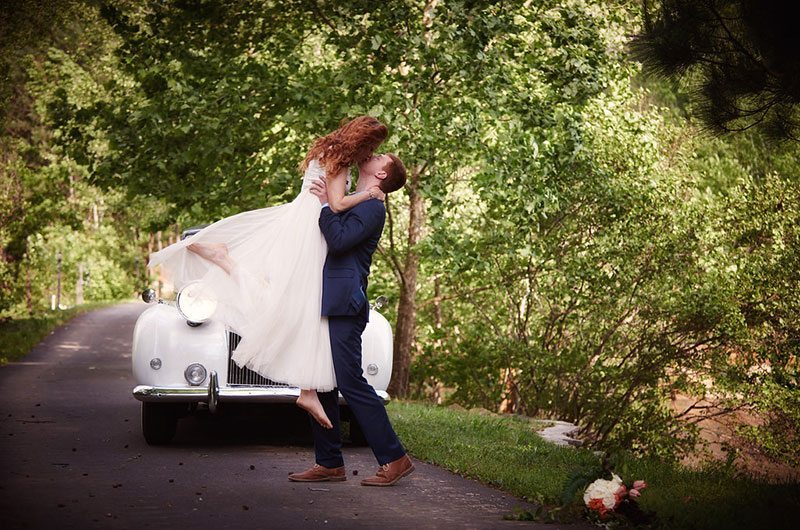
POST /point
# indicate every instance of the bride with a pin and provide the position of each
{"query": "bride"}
(264, 268)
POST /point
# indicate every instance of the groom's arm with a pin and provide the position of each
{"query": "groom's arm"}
(344, 232)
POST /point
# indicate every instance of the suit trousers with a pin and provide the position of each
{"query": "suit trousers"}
(364, 403)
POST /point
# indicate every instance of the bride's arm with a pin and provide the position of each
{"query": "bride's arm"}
(339, 202)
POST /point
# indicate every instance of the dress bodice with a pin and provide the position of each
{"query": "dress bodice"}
(314, 171)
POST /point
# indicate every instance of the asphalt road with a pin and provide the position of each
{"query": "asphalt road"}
(73, 456)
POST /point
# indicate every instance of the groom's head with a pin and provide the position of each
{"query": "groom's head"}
(385, 171)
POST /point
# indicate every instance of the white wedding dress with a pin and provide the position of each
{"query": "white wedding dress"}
(273, 297)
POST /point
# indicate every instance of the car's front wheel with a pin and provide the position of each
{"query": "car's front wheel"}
(159, 421)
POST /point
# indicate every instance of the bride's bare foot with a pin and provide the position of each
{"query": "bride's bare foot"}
(213, 252)
(309, 401)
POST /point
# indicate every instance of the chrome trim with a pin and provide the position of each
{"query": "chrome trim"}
(213, 392)
(149, 296)
(193, 323)
(237, 393)
(238, 375)
(380, 302)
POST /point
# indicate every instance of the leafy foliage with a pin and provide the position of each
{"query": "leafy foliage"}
(503, 450)
(743, 54)
(569, 244)
(49, 206)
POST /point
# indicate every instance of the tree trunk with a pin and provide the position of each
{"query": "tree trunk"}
(405, 329)
(28, 294)
(79, 286)
(438, 387)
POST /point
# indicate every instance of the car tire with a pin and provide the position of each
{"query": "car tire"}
(159, 422)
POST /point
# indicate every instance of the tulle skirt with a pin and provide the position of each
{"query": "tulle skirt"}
(273, 297)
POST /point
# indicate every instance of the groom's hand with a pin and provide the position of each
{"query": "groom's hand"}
(320, 189)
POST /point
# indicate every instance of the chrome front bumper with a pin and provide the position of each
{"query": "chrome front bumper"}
(213, 394)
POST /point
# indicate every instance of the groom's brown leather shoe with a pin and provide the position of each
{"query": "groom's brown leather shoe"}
(319, 473)
(390, 473)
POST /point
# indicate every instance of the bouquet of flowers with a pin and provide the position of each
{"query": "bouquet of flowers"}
(604, 496)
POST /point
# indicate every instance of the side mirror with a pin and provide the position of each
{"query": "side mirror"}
(380, 302)
(149, 296)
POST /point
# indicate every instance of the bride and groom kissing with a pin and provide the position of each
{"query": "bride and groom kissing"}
(292, 281)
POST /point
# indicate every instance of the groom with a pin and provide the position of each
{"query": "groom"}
(352, 237)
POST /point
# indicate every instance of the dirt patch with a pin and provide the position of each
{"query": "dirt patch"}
(719, 439)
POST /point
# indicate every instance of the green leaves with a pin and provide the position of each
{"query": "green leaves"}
(582, 250)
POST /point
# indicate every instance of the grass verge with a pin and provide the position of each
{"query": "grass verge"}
(506, 452)
(18, 334)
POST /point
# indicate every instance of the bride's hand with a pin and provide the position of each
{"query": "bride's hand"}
(376, 193)
(320, 188)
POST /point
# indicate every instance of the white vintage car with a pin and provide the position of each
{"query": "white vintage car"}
(182, 357)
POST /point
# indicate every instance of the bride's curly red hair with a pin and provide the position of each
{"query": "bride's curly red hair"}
(350, 144)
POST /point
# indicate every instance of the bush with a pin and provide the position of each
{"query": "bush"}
(102, 253)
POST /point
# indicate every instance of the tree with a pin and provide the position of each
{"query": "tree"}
(179, 133)
(26, 29)
(422, 62)
(566, 245)
(742, 58)
(200, 104)
(57, 59)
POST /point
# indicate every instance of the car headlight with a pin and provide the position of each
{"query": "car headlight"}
(194, 305)
(195, 373)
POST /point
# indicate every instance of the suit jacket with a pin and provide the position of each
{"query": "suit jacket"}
(352, 238)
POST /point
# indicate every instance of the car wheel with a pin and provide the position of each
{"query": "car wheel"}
(159, 421)
(357, 434)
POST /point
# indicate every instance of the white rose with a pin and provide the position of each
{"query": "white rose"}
(609, 501)
(604, 490)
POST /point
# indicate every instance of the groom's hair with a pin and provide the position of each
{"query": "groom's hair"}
(395, 175)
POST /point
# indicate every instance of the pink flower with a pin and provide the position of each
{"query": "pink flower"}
(634, 493)
(639, 485)
(620, 494)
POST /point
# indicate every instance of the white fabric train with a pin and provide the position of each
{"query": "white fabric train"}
(273, 298)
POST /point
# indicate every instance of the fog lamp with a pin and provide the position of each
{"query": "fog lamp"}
(195, 374)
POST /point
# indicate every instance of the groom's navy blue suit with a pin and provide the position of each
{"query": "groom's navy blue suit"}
(352, 237)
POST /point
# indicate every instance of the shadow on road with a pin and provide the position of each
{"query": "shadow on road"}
(237, 424)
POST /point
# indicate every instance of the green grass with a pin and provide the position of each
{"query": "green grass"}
(506, 453)
(18, 334)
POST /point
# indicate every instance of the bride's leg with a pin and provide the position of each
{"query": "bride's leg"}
(214, 252)
(309, 401)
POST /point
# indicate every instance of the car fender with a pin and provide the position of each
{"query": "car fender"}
(161, 332)
(376, 347)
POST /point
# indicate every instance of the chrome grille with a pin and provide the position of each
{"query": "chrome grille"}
(244, 376)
